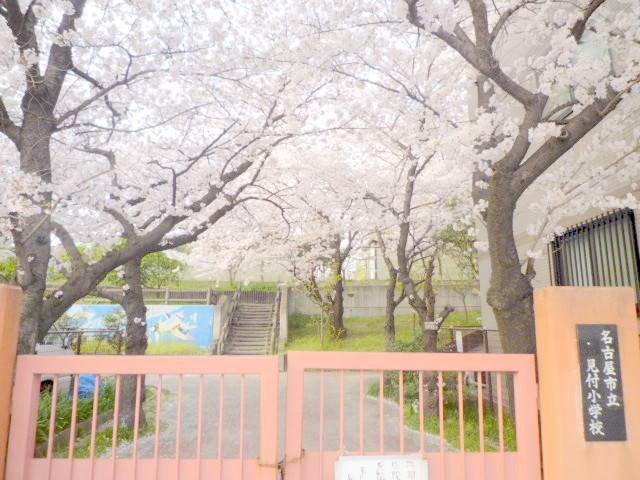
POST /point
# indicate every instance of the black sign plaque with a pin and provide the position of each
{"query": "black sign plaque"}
(601, 381)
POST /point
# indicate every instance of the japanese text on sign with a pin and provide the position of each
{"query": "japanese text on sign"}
(382, 468)
(600, 372)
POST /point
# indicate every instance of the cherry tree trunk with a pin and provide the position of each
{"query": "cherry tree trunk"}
(32, 316)
(510, 293)
(337, 306)
(33, 237)
(390, 310)
(337, 309)
(430, 344)
(135, 343)
(430, 338)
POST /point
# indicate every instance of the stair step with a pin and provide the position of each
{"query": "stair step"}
(249, 337)
(245, 352)
(251, 327)
(246, 347)
(262, 338)
(250, 330)
(248, 325)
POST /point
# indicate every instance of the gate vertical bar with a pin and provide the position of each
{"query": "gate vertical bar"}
(361, 412)
(500, 426)
(156, 438)
(269, 419)
(74, 424)
(295, 410)
(114, 430)
(94, 425)
(341, 427)
(381, 411)
(52, 424)
(179, 424)
(220, 426)
(401, 409)
(199, 427)
(461, 424)
(421, 410)
(321, 417)
(241, 425)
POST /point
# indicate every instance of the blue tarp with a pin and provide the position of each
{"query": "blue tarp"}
(86, 386)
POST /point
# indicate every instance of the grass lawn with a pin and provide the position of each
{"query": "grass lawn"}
(365, 334)
(97, 347)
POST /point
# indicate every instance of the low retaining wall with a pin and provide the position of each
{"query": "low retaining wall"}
(370, 300)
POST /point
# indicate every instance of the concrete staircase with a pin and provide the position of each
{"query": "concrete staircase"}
(250, 330)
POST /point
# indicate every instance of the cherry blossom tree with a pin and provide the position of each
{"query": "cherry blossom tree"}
(326, 223)
(401, 90)
(146, 123)
(415, 201)
(535, 103)
(537, 77)
(308, 219)
(133, 122)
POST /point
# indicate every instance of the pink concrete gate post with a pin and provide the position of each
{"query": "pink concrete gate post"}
(10, 305)
(567, 450)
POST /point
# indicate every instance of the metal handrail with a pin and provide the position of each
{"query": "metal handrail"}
(224, 331)
(275, 322)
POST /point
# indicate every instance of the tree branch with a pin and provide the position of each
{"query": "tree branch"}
(579, 27)
(69, 245)
(446, 311)
(60, 59)
(109, 295)
(10, 129)
(23, 29)
(505, 16)
(576, 128)
(480, 55)
(129, 229)
(480, 24)
(101, 93)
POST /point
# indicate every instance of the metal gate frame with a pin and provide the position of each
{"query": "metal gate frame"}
(22, 465)
(524, 464)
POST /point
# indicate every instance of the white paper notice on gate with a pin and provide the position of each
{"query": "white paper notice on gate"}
(388, 467)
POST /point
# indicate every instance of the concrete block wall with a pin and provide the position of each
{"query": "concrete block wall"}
(369, 301)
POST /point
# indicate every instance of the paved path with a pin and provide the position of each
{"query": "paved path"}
(231, 421)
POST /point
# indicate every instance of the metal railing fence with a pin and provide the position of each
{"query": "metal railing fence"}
(599, 252)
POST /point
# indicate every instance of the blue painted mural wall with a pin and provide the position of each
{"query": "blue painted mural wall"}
(190, 324)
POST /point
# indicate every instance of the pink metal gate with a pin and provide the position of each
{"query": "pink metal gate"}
(204, 374)
(221, 415)
(309, 455)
